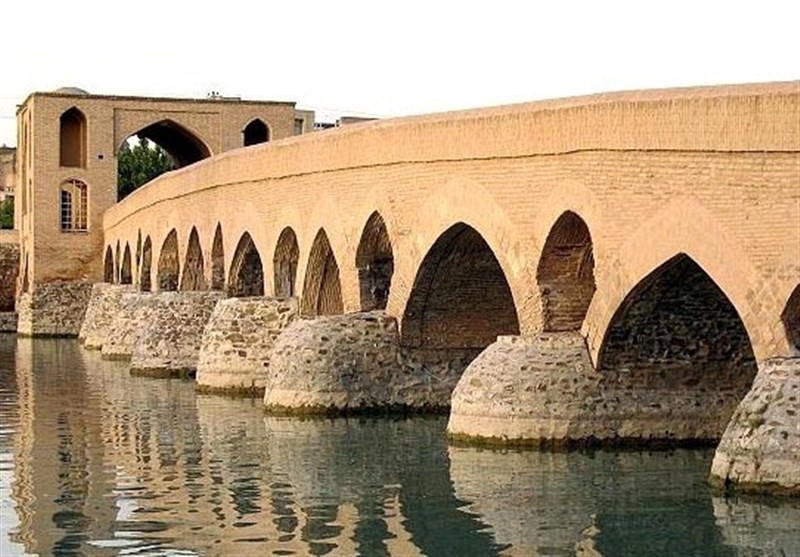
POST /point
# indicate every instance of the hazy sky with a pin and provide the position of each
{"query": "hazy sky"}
(386, 59)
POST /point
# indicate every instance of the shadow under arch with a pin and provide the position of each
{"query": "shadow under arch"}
(322, 288)
(168, 263)
(183, 145)
(284, 263)
(193, 265)
(246, 276)
(146, 266)
(791, 321)
(375, 264)
(255, 132)
(126, 273)
(108, 266)
(218, 260)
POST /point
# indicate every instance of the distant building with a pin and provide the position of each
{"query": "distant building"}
(8, 172)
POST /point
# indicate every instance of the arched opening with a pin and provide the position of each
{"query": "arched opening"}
(73, 139)
(218, 261)
(255, 132)
(108, 266)
(125, 273)
(284, 264)
(74, 202)
(193, 265)
(791, 320)
(168, 263)
(460, 298)
(117, 262)
(147, 264)
(566, 274)
(138, 259)
(375, 264)
(677, 330)
(246, 277)
(322, 289)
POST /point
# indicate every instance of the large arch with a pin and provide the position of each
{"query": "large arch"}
(255, 132)
(791, 320)
(108, 266)
(218, 260)
(183, 145)
(565, 274)
(72, 139)
(284, 264)
(460, 298)
(146, 266)
(193, 265)
(125, 272)
(375, 264)
(168, 263)
(322, 288)
(246, 276)
(677, 330)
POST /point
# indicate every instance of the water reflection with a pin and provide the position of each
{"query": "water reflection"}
(96, 462)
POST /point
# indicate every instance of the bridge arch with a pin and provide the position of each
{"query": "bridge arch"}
(255, 132)
(182, 144)
(108, 266)
(284, 264)
(117, 262)
(460, 298)
(375, 264)
(169, 263)
(246, 276)
(138, 260)
(145, 270)
(218, 260)
(322, 288)
(193, 265)
(791, 321)
(126, 273)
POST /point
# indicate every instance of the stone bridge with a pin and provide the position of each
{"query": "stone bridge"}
(637, 254)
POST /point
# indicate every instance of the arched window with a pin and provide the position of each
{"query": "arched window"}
(74, 202)
(256, 132)
(73, 139)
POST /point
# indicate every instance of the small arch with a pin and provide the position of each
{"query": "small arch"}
(791, 320)
(218, 261)
(74, 200)
(168, 263)
(147, 263)
(375, 264)
(108, 266)
(125, 273)
(284, 263)
(72, 139)
(255, 132)
(565, 274)
(460, 297)
(138, 249)
(117, 262)
(322, 288)
(246, 276)
(193, 266)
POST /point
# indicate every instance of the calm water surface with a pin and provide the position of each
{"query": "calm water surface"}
(95, 462)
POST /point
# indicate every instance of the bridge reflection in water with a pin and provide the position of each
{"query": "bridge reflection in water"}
(96, 462)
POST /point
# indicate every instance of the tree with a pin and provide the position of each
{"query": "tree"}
(139, 164)
(7, 213)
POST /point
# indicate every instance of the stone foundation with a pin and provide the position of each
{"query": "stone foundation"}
(236, 346)
(169, 342)
(53, 309)
(135, 309)
(543, 391)
(760, 450)
(8, 322)
(103, 310)
(9, 269)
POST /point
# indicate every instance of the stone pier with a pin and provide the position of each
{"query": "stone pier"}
(169, 341)
(237, 343)
(760, 450)
(102, 311)
(53, 308)
(133, 311)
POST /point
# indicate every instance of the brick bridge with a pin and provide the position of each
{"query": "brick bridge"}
(661, 229)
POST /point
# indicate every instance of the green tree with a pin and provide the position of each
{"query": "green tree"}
(139, 164)
(7, 213)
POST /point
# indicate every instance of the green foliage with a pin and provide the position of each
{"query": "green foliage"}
(7, 213)
(139, 164)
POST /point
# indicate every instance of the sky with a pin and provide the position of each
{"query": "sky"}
(386, 59)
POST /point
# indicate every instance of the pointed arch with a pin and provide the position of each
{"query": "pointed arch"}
(146, 266)
(460, 297)
(246, 276)
(791, 320)
(117, 262)
(218, 260)
(193, 265)
(255, 132)
(184, 146)
(138, 259)
(125, 273)
(72, 139)
(322, 288)
(565, 274)
(284, 264)
(108, 266)
(375, 264)
(168, 263)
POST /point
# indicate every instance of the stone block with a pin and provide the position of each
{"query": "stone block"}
(133, 311)
(103, 310)
(53, 308)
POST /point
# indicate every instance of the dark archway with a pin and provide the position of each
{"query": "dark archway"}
(565, 274)
(677, 330)
(117, 263)
(146, 267)
(72, 139)
(168, 263)
(284, 264)
(193, 265)
(791, 319)
(138, 259)
(218, 261)
(182, 145)
(255, 132)
(125, 273)
(246, 277)
(460, 297)
(322, 288)
(375, 264)
(108, 266)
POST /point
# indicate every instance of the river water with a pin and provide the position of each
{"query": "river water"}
(95, 462)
